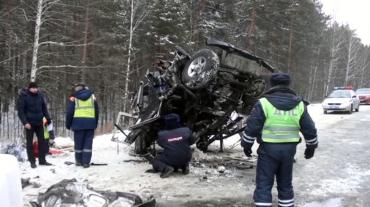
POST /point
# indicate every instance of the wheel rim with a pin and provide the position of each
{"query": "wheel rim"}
(196, 66)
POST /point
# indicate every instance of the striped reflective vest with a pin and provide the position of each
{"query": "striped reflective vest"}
(84, 108)
(281, 126)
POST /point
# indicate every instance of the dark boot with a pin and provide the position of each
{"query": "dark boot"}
(45, 163)
(167, 172)
(185, 170)
(33, 165)
(86, 165)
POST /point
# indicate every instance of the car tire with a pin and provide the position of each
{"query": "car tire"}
(141, 143)
(325, 111)
(200, 70)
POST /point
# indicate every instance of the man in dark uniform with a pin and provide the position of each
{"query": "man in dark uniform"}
(175, 141)
(82, 117)
(32, 109)
(276, 120)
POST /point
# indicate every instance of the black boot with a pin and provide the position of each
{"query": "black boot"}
(167, 172)
(33, 165)
(45, 163)
(185, 170)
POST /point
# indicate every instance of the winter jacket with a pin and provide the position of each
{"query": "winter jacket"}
(284, 99)
(32, 108)
(176, 144)
(81, 123)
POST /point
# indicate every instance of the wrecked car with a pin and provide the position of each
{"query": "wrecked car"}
(212, 90)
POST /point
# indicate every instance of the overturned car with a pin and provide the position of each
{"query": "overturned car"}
(212, 90)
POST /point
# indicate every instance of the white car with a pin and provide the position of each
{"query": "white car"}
(341, 100)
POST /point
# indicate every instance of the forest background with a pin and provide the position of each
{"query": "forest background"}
(110, 44)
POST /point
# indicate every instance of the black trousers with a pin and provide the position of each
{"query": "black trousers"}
(39, 131)
(275, 161)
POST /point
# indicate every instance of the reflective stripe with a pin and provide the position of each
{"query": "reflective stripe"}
(86, 150)
(286, 140)
(78, 151)
(285, 129)
(286, 205)
(263, 204)
(247, 138)
(313, 141)
(286, 201)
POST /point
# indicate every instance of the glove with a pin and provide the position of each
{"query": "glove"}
(248, 151)
(309, 152)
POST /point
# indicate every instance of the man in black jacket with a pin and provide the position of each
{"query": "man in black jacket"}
(276, 120)
(31, 110)
(175, 141)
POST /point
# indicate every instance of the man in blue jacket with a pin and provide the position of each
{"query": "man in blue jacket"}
(82, 117)
(276, 120)
(32, 109)
(175, 141)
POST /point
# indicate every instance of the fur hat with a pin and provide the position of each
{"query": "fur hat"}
(280, 79)
(172, 121)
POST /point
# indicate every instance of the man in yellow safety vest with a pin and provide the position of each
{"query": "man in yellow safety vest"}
(82, 117)
(276, 121)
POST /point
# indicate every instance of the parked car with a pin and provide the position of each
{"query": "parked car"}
(363, 95)
(341, 99)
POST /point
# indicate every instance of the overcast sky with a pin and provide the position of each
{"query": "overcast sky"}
(354, 12)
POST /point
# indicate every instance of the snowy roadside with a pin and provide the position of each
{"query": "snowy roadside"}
(127, 173)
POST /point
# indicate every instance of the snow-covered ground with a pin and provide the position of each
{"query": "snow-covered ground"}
(127, 173)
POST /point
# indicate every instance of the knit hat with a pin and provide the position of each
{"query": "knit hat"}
(32, 85)
(280, 79)
(172, 121)
(79, 86)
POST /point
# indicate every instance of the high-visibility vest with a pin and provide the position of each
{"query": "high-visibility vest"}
(46, 133)
(84, 108)
(281, 126)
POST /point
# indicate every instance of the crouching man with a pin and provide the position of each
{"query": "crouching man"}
(175, 141)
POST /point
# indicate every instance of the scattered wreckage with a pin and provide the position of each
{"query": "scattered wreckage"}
(212, 91)
(73, 193)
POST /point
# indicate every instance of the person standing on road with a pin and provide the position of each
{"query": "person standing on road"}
(32, 109)
(82, 117)
(276, 120)
(175, 141)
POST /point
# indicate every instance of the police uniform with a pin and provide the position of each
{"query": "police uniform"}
(276, 120)
(175, 141)
(82, 117)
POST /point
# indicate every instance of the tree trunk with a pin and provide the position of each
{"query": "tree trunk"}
(84, 51)
(127, 79)
(36, 40)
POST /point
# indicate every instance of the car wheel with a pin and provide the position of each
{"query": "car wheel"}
(201, 69)
(325, 111)
(141, 143)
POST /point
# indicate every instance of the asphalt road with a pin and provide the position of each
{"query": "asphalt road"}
(337, 176)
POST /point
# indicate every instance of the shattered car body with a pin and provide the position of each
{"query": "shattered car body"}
(70, 192)
(205, 89)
